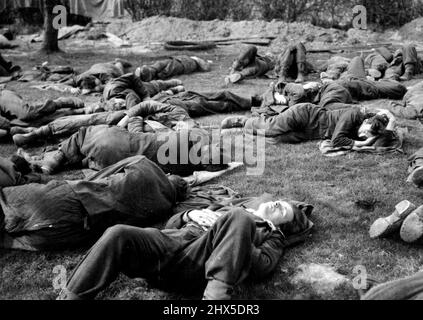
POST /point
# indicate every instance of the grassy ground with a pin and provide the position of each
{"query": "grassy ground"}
(333, 186)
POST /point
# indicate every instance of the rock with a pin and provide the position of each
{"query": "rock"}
(322, 278)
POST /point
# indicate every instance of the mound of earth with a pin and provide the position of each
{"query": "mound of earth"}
(160, 29)
(412, 31)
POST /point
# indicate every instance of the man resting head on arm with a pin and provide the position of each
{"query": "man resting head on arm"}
(383, 123)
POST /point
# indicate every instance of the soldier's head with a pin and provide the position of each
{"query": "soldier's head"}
(373, 126)
(89, 83)
(278, 212)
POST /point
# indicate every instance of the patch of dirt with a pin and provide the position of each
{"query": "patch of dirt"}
(323, 279)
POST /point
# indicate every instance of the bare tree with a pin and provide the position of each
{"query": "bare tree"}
(51, 41)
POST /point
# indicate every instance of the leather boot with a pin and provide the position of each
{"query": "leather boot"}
(383, 227)
(374, 73)
(412, 227)
(409, 72)
(233, 78)
(52, 161)
(218, 290)
(416, 172)
(177, 89)
(25, 139)
(202, 64)
(301, 73)
(234, 122)
(20, 130)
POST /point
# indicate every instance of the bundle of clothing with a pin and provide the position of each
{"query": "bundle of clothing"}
(391, 142)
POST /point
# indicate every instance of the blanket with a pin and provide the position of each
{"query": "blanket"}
(393, 145)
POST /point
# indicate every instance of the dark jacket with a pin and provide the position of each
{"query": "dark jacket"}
(269, 245)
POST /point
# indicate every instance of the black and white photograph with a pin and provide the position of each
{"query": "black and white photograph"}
(198, 152)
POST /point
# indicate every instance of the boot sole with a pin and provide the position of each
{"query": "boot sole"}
(385, 226)
(412, 228)
(234, 78)
(17, 130)
(416, 176)
(17, 142)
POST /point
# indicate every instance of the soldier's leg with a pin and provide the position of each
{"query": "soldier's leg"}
(403, 289)
(135, 252)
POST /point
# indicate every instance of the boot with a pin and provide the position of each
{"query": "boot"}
(374, 73)
(301, 73)
(202, 64)
(25, 139)
(218, 290)
(412, 228)
(177, 89)
(234, 122)
(416, 173)
(174, 83)
(52, 161)
(383, 227)
(20, 130)
(416, 177)
(119, 65)
(137, 73)
(409, 72)
(233, 78)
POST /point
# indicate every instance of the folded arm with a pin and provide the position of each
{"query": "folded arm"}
(266, 256)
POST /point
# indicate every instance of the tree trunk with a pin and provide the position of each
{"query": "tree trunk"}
(51, 42)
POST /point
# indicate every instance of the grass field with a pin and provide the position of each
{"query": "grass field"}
(333, 186)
